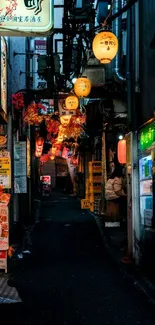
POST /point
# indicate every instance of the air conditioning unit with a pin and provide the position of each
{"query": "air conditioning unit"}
(96, 75)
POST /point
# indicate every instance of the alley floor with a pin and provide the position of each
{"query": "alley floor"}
(69, 279)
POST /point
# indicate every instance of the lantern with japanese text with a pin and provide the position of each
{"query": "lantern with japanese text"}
(65, 120)
(121, 151)
(82, 87)
(39, 146)
(71, 103)
(105, 46)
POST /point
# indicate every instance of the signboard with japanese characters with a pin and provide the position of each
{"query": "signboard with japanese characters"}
(26, 17)
(3, 75)
(39, 47)
(5, 172)
(3, 260)
(4, 225)
(20, 167)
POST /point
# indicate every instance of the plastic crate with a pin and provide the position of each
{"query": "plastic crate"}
(85, 204)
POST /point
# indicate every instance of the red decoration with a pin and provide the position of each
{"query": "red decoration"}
(39, 146)
(18, 101)
(121, 151)
(53, 127)
(44, 158)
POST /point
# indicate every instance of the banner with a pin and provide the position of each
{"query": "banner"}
(4, 227)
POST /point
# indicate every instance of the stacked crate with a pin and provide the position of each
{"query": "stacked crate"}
(93, 189)
(95, 185)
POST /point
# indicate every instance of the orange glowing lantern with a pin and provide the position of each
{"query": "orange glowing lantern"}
(121, 151)
(39, 146)
(65, 120)
(82, 87)
(71, 103)
(105, 46)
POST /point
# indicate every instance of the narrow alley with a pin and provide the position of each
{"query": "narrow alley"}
(69, 279)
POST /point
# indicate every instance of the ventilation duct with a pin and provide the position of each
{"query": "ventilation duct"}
(117, 30)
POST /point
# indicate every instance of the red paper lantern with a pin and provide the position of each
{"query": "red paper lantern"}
(121, 151)
(39, 146)
(39, 141)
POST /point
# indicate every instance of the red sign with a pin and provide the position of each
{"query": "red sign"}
(40, 46)
(2, 254)
(46, 179)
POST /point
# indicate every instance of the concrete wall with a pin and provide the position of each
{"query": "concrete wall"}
(147, 58)
(16, 64)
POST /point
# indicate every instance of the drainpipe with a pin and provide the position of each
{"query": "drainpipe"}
(117, 30)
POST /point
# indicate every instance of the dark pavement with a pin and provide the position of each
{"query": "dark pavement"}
(69, 279)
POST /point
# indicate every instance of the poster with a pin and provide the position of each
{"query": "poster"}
(3, 75)
(46, 179)
(28, 158)
(4, 225)
(20, 167)
(5, 172)
(3, 260)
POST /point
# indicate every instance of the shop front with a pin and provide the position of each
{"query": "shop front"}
(146, 141)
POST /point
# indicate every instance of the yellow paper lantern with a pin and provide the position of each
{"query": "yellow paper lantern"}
(65, 120)
(82, 87)
(71, 103)
(105, 46)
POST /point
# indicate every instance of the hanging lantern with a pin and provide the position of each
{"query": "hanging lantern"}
(121, 151)
(65, 120)
(71, 103)
(39, 146)
(82, 87)
(105, 46)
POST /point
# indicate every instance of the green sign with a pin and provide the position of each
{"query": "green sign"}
(147, 136)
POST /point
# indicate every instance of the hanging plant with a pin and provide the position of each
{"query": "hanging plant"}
(53, 127)
(32, 115)
(18, 101)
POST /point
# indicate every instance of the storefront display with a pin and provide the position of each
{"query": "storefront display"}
(146, 147)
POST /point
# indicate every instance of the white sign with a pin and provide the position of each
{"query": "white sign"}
(26, 17)
(20, 167)
(3, 75)
(148, 213)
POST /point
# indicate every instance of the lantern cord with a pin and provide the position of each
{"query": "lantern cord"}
(117, 14)
(109, 14)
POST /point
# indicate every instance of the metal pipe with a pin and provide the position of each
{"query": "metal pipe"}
(116, 27)
(128, 68)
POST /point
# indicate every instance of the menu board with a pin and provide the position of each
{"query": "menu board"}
(20, 167)
(4, 231)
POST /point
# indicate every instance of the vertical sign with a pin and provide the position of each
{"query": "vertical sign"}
(39, 47)
(3, 75)
(28, 158)
(20, 167)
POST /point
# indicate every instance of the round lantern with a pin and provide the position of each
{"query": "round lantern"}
(39, 146)
(71, 103)
(105, 46)
(65, 120)
(82, 87)
(121, 151)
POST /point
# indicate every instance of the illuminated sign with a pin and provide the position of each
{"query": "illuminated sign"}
(26, 17)
(147, 136)
(3, 75)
